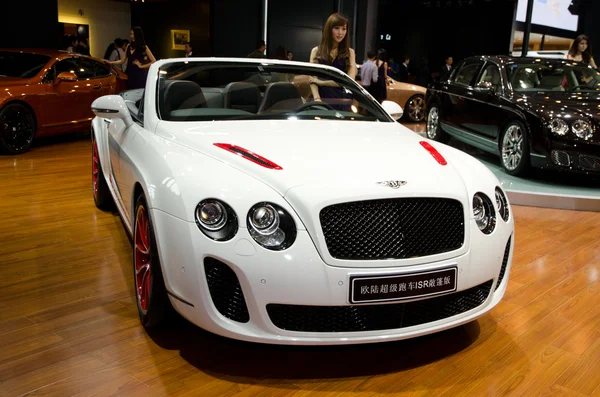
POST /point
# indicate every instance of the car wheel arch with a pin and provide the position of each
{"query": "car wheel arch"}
(26, 105)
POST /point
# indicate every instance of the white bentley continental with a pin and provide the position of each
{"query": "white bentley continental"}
(278, 202)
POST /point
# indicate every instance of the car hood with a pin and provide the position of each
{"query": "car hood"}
(329, 159)
(575, 103)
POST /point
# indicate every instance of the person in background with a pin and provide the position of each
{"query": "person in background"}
(403, 70)
(334, 50)
(382, 72)
(135, 55)
(446, 69)
(83, 47)
(369, 75)
(393, 68)
(581, 51)
(117, 52)
(74, 43)
(289, 55)
(259, 52)
(189, 50)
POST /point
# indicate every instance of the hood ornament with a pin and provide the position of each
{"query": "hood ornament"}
(392, 184)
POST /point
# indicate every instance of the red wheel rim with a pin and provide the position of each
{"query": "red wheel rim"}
(143, 270)
(95, 168)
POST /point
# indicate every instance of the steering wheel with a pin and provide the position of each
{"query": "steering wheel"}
(593, 86)
(313, 104)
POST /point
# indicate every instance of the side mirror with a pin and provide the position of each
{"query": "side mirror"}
(112, 107)
(393, 109)
(66, 76)
(484, 86)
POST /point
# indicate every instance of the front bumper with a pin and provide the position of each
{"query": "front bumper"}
(564, 156)
(270, 291)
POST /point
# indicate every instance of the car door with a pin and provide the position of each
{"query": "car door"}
(68, 103)
(454, 105)
(485, 114)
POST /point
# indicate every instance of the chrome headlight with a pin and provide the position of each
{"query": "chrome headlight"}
(558, 127)
(271, 226)
(216, 219)
(502, 204)
(484, 213)
(582, 129)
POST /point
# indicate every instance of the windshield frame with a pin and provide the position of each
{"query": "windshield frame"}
(189, 67)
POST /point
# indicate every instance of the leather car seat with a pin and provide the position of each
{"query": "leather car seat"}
(281, 96)
(242, 96)
(181, 94)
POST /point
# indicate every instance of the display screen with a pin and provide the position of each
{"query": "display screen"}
(551, 13)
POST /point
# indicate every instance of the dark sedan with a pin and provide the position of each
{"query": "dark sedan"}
(531, 112)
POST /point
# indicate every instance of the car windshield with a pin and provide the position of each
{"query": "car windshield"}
(560, 76)
(18, 64)
(204, 91)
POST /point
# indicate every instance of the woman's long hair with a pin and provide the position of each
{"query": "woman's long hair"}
(140, 40)
(586, 56)
(326, 45)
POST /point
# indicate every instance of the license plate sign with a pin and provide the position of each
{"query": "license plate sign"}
(397, 287)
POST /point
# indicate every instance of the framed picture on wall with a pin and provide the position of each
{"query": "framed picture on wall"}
(178, 38)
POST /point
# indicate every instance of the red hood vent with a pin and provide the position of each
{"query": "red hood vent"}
(436, 155)
(248, 155)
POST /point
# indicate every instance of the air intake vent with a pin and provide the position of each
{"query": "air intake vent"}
(561, 158)
(376, 317)
(504, 263)
(225, 290)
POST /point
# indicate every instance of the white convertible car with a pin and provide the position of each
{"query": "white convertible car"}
(261, 214)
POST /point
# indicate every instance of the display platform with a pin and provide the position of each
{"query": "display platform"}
(541, 188)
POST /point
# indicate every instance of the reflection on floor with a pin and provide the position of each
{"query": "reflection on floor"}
(542, 188)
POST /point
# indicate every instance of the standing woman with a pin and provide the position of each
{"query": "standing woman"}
(135, 55)
(581, 51)
(334, 50)
(380, 93)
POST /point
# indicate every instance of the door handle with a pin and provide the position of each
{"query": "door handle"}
(97, 86)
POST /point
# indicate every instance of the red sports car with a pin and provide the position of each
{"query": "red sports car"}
(49, 92)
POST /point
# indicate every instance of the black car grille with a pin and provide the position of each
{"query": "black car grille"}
(393, 228)
(589, 162)
(376, 317)
(225, 290)
(561, 158)
(504, 263)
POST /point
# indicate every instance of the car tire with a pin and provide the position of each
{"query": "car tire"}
(514, 148)
(153, 304)
(433, 129)
(17, 128)
(415, 108)
(100, 191)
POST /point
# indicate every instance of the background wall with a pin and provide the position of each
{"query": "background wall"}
(433, 29)
(158, 19)
(107, 20)
(29, 23)
(235, 26)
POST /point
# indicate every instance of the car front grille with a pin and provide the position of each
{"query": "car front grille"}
(225, 290)
(376, 317)
(393, 228)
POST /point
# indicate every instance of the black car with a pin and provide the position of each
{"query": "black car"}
(531, 112)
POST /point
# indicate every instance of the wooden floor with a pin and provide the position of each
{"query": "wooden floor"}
(69, 326)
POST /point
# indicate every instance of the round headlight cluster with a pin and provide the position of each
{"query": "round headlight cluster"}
(502, 204)
(484, 213)
(559, 127)
(216, 219)
(582, 129)
(271, 226)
